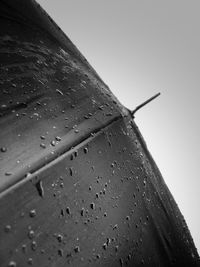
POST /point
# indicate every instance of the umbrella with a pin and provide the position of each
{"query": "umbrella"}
(78, 185)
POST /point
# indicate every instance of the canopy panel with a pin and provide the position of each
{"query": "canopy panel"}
(78, 186)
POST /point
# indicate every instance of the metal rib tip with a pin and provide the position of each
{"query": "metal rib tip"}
(144, 103)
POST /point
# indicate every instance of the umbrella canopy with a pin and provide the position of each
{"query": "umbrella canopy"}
(78, 185)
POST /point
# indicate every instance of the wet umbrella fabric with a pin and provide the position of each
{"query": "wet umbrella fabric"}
(78, 184)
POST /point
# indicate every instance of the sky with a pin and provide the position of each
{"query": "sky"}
(139, 48)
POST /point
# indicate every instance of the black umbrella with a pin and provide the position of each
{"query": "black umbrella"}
(78, 184)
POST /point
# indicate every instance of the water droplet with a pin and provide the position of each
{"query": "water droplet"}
(59, 91)
(31, 234)
(60, 238)
(121, 262)
(109, 114)
(101, 107)
(192, 254)
(7, 228)
(92, 206)
(12, 264)
(40, 188)
(62, 212)
(8, 173)
(68, 210)
(53, 143)
(42, 145)
(30, 261)
(71, 171)
(42, 137)
(105, 246)
(128, 218)
(3, 149)
(34, 245)
(115, 226)
(108, 241)
(129, 257)
(82, 212)
(28, 174)
(85, 150)
(60, 252)
(77, 249)
(24, 248)
(90, 187)
(3, 106)
(32, 213)
(58, 138)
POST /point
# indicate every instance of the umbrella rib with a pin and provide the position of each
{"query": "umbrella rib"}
(144, 103)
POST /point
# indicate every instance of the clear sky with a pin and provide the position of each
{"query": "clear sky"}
(140, 48)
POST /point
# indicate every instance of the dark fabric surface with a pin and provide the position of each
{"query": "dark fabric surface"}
(78, 186)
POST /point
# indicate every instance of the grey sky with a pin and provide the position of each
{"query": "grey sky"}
(140, 48)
